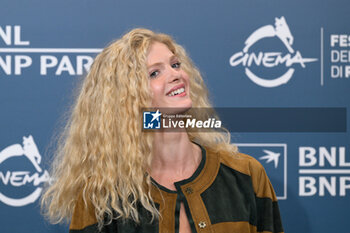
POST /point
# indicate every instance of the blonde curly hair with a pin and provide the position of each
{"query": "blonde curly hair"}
(103, 153)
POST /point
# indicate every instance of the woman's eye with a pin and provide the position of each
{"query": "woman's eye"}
(154, 74)
(176, 65)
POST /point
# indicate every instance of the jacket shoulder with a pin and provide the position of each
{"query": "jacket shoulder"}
(83, 214)
(249, 166)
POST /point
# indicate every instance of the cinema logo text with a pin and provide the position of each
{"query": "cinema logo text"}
(15, 179)
(270, 59)
(16, 56)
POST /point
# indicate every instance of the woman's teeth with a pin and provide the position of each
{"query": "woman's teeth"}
(176, 92)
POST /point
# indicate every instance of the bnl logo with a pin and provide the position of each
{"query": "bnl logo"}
(273, 157)
(151, 120)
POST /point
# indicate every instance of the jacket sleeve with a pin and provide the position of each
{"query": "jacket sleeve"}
(83, 218)
(267, 210)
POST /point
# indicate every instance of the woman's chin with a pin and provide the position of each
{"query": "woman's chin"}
(172, 108)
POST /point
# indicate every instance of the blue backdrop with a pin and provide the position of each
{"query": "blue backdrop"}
(266, 53)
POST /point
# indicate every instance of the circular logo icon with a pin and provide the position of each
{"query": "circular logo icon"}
(18, 179)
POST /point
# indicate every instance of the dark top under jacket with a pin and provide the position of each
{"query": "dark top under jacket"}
(227, 193)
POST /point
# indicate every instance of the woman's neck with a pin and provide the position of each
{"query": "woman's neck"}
(174, 156)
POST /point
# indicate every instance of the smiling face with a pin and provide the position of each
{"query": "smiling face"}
(168, 82)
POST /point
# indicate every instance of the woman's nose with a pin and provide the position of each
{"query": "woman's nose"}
(174, 74)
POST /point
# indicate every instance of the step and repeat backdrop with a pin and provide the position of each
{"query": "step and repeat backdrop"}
(285, 63)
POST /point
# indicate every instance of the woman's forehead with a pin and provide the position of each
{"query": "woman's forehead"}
(159, 52)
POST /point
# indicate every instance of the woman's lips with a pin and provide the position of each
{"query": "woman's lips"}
(176, 88)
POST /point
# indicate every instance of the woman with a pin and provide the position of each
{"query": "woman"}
(110, 176)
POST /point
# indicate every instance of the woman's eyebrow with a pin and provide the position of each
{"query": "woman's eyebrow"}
(155, 64)
(173, 57)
